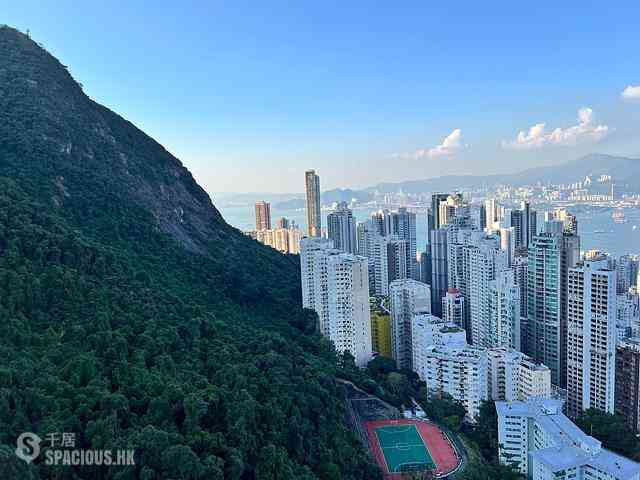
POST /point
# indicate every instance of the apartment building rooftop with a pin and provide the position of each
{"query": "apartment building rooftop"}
(573, 447)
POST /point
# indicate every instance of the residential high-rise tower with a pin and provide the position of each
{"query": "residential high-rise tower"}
(591, 337)
(314, 214)
(263, 216)
(341, 228)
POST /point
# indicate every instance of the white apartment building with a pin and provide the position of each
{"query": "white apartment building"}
(349, 322)
(542, 443)
(388, 262)
(504, 310)
(514, 376)
(458, 371)
(453, 307)
(534, 381)
(406, 297)
(591, 337)
(336, 286)
(427, 330)
(479, 270)
(341, 228)
(485, 260)
(312, 249)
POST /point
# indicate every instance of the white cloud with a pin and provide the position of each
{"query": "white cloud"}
(538, 136)
(631, 92)
(449, 146)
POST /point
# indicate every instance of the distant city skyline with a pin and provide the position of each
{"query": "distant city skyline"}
(250, 96)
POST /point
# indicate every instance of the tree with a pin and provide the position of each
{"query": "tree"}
(444, 409)
(611, 430)
(485, 432)
(381, 366)
(484, 471)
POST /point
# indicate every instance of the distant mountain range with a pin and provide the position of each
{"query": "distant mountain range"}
(625, 172)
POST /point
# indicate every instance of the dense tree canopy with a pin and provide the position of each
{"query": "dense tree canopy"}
(612, 431)
(134, 317)
(101, 342)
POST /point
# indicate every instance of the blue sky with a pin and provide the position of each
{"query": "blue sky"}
(249, 95)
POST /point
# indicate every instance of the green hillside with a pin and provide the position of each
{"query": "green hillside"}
(133, 316)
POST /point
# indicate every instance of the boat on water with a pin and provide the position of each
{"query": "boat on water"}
(618, 216)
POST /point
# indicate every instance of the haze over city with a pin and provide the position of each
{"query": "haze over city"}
(248, 95)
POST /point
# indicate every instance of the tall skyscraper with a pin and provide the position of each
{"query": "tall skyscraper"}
(349, 322)
(424, 265)
(478, 268)
(314, 215)
(336, 285)
(313, 291)
(504, 311)
(486, 260)
(551, 255)
(591, 337)
(365, 233)
(543, 302)
(433, 220)
(569, 257)
(342, 228)
(520, 272)
(263, 216)
(403, 225)
(407, 297)
(388, 260)
(525, 225)
(439, 273)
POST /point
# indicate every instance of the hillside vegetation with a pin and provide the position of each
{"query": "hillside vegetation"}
(133, 316)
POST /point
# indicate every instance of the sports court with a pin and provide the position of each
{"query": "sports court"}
(410, 445)
(403, 448)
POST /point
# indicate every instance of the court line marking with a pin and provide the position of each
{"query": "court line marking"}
(395, 429)
(426, 446)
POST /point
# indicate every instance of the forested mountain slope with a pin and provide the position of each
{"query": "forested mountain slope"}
(133, 316)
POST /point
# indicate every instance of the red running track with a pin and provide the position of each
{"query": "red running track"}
(441, 450)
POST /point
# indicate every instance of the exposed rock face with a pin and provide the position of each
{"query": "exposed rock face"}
(73, 139)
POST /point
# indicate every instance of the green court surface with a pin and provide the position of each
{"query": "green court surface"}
(403, 448)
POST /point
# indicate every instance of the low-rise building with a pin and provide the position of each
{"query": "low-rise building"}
(541, 442)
